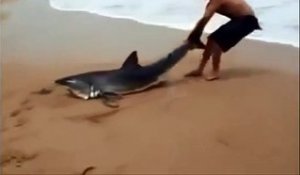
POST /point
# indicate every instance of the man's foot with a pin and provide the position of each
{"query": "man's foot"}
(194, 73)
(212, 76)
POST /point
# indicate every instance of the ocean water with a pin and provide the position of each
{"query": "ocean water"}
(278, 18)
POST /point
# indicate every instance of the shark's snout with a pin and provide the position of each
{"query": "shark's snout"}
(78, 87)
(61, 81)
(69, 82)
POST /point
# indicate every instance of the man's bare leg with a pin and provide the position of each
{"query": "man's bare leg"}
(216, 59)
(205, 57)
(199, 71)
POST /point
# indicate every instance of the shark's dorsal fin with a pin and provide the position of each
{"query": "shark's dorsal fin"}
(131, 61)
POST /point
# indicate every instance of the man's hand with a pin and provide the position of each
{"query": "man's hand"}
(194, 37)
(194, 41)
(198, 45)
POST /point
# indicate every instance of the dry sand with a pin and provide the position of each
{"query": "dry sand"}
(246, 122)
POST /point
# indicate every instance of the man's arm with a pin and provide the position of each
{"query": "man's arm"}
(196, 33)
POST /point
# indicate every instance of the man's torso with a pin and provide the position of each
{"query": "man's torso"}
(234, 8)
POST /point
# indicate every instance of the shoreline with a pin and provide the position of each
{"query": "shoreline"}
(266, 40)
(145, 50)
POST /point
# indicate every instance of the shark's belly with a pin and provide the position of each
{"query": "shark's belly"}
(126, 86)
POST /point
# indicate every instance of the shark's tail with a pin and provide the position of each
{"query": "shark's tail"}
(166, 63)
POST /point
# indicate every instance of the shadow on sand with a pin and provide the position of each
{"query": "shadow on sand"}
(235, 73)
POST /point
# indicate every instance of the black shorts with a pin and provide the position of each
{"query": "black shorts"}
(229, 34)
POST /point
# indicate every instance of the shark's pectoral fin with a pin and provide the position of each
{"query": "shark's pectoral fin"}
(111, 99)
(110, 103)
(112, 95)
(131, 61)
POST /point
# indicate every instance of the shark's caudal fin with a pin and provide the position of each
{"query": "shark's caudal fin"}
(166, 63)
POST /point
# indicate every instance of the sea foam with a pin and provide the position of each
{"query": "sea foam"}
(278, 18)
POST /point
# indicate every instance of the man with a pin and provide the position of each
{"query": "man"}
(242, 23)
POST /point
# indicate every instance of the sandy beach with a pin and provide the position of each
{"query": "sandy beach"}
(245, 123)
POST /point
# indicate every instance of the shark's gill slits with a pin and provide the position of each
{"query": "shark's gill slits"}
(93, 92)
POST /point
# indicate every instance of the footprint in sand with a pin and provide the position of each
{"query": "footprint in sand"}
(16, 158)
(48, 96)
(25, 102)
(85, 171)
(20, 122)
(16, 114)
(24, 106)
(43, 91)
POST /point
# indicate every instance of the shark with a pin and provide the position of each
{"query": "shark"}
(131, 77)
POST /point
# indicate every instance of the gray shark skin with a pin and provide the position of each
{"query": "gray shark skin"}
(131, 77)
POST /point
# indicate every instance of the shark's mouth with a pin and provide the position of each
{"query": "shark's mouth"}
(93, 93)
(78, 94)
